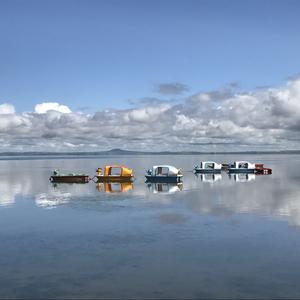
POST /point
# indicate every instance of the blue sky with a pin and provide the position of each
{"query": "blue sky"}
(100, 54)
(139, 75)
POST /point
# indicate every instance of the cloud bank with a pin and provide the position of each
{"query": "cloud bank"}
(223, 120)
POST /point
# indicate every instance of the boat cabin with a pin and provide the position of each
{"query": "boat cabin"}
(242, 167)
(114, 173)
(208, 167)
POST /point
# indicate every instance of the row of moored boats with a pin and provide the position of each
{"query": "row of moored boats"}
(160, 173)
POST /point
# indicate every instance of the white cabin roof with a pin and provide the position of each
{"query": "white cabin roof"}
(172, 169)
(242, 162)
(216, 165)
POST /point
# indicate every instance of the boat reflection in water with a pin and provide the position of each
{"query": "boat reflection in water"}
(209, 177)
(165, 187)
(114, 187)
(241, 177)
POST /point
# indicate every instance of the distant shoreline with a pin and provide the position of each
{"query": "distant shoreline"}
(128, 152)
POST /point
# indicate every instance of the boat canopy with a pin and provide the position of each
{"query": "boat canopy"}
(243, 165)
(164, 170)
(210, 165)
(117, 170)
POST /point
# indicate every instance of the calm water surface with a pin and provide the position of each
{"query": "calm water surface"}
(211, 237)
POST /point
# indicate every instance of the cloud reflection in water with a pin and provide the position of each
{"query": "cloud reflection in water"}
(276, 195)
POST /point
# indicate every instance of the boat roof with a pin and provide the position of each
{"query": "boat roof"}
(209, 162)
(116, 166)
(171, 168)
(242, 161)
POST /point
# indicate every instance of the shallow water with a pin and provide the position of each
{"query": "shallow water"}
(212, 237)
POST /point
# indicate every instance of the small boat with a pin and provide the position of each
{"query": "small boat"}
(114, 173)
(242, 167)
(261, 170)
(69, 178)
(163, 173)
(208, 167)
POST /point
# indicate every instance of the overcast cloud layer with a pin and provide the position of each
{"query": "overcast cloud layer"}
(267, 119)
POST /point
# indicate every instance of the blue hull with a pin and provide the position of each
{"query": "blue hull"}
(241, 171)
(162, 179)
(208, 171)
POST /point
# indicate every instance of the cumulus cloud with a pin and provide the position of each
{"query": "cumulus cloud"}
(6, 109)
(223, 120)
(172, 88)
(43, 108)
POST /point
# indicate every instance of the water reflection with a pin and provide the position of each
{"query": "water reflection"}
(209, 177)
(114, 187)
(281, 192)
(241, 177)
(52, 200)
(165, 187)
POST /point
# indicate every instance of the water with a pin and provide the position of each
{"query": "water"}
(212, 237)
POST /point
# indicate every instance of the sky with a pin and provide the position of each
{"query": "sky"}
(138, 75)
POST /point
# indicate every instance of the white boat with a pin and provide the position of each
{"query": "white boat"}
(208, 167)
(242, 167)
(163, 173)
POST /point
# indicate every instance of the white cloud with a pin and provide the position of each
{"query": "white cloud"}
(43, 108)
(6, 109)
(261, 120)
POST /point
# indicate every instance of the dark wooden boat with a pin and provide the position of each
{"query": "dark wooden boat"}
(69, 178)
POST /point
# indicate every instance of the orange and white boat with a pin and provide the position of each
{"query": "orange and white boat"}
(114, 173)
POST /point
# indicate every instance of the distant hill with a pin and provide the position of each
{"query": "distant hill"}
(129, 152)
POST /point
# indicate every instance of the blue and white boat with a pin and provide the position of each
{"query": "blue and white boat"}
(208, 167)
(242, 167)
(163, 173)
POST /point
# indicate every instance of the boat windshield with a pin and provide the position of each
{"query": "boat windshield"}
(162, 171)
(115, 171)
(208, 165)
(243, 165)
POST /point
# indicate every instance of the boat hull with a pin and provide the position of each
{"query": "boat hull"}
(70, 179)
(243, 171)
(163, 178)
(113, 178)
(208, 171)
